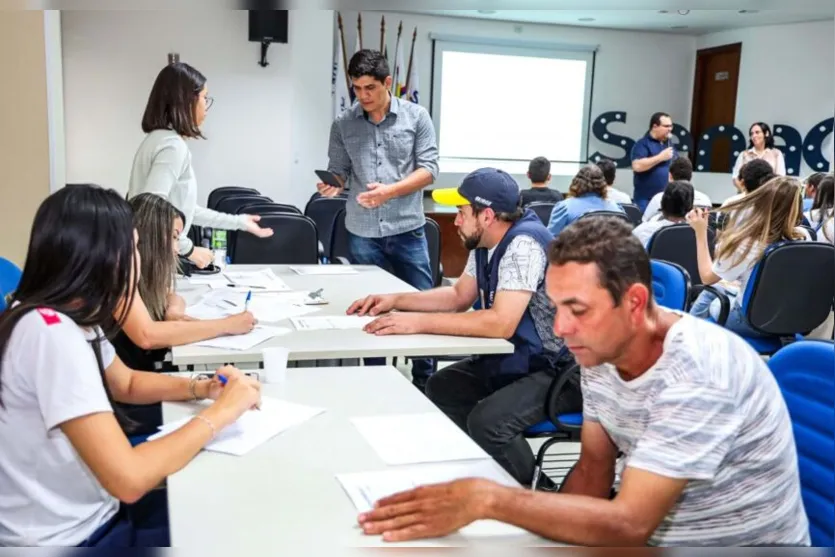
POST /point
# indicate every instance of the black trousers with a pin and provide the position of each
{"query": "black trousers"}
(495, 411)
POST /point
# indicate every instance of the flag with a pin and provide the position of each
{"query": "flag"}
(412, 92)
(399, 82)
(341, 94)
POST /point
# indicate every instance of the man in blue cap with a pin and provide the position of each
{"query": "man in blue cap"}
(493, 398)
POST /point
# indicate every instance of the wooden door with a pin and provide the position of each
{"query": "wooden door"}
(714, 100)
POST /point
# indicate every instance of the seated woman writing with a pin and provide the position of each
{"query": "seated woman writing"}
(68, 475)
(156, 317)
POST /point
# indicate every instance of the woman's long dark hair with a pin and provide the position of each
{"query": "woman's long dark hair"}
(80, 263)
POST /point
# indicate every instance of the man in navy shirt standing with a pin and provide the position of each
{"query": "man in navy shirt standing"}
(651, 158)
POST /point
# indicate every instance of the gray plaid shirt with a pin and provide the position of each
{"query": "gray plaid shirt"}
(362, 152)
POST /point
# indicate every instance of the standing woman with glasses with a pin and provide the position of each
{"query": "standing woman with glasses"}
(175, 111)
(760, 146)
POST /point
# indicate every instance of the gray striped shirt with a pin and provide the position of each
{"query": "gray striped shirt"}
(708, 411)
(362, 152)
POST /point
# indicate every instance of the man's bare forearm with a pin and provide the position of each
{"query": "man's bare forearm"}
(443, 299)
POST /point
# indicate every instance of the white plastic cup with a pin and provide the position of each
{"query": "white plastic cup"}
(220, 258)
(275, 365)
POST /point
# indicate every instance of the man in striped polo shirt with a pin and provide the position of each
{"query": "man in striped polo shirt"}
(709, 454)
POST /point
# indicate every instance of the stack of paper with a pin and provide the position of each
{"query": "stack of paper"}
(417, 438)
(365, 489)
(254, 427)
(325, 270)
(326, 322)
(258, 335)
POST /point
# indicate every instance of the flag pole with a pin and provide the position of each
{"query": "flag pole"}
(359, 29)
(382, 33)
(411, 59)
(396, 50)
(344, 51)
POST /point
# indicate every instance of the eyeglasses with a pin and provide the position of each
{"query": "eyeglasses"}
(209, 102)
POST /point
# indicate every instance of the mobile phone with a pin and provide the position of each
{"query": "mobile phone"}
(329, 178)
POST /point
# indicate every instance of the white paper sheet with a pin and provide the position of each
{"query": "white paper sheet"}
(259, 334)
(326, 322)
(416, 438)
(266, 307)
(325, 270)
(265, 278)
(366, 488)
(254, 427)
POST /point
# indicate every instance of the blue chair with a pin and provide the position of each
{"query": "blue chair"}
(670, 285)
(789, 294)
(677, 244)
(9, 279)
(805, 372)
(558, 428)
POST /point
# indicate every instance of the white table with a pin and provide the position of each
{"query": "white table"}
(284, 495)
(340, 291)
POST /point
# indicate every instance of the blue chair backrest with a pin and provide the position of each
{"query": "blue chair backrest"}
(9, 279)
(791, 289)
(670, 284)
(805, 372)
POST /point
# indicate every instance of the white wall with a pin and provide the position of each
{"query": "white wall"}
(786, 76)
(639, 73)
(267, 128)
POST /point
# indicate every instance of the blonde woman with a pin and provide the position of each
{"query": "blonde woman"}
(587, 193)
(760, 219)
(156, 318)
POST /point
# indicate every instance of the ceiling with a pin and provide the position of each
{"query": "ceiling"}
(693, 22)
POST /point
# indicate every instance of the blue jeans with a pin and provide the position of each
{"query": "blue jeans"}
(641, 204)
(142, 524)
(707, 305)
(405, 256)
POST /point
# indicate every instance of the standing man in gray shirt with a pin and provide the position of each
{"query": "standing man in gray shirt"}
(383, 150)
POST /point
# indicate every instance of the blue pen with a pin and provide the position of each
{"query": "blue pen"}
(248, 298)
(223, 380)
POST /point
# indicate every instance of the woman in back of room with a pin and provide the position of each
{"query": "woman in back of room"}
(758, 220)
(156, 317)
(175, 111)
(586, 194)
(68, 475)
(822, 215)
(760, 146)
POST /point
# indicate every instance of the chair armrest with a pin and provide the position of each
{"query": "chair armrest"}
(724, 301)
(556, 389)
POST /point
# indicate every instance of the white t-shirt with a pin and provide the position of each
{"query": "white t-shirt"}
(731, 270)
(654, 206)
(709, 411)
(617, 196)
(645, 230)
(49, 376)
(826, 231)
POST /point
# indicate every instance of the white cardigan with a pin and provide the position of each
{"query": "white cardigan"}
(162, 166)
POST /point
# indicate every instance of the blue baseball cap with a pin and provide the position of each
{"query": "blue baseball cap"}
(489, 187)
